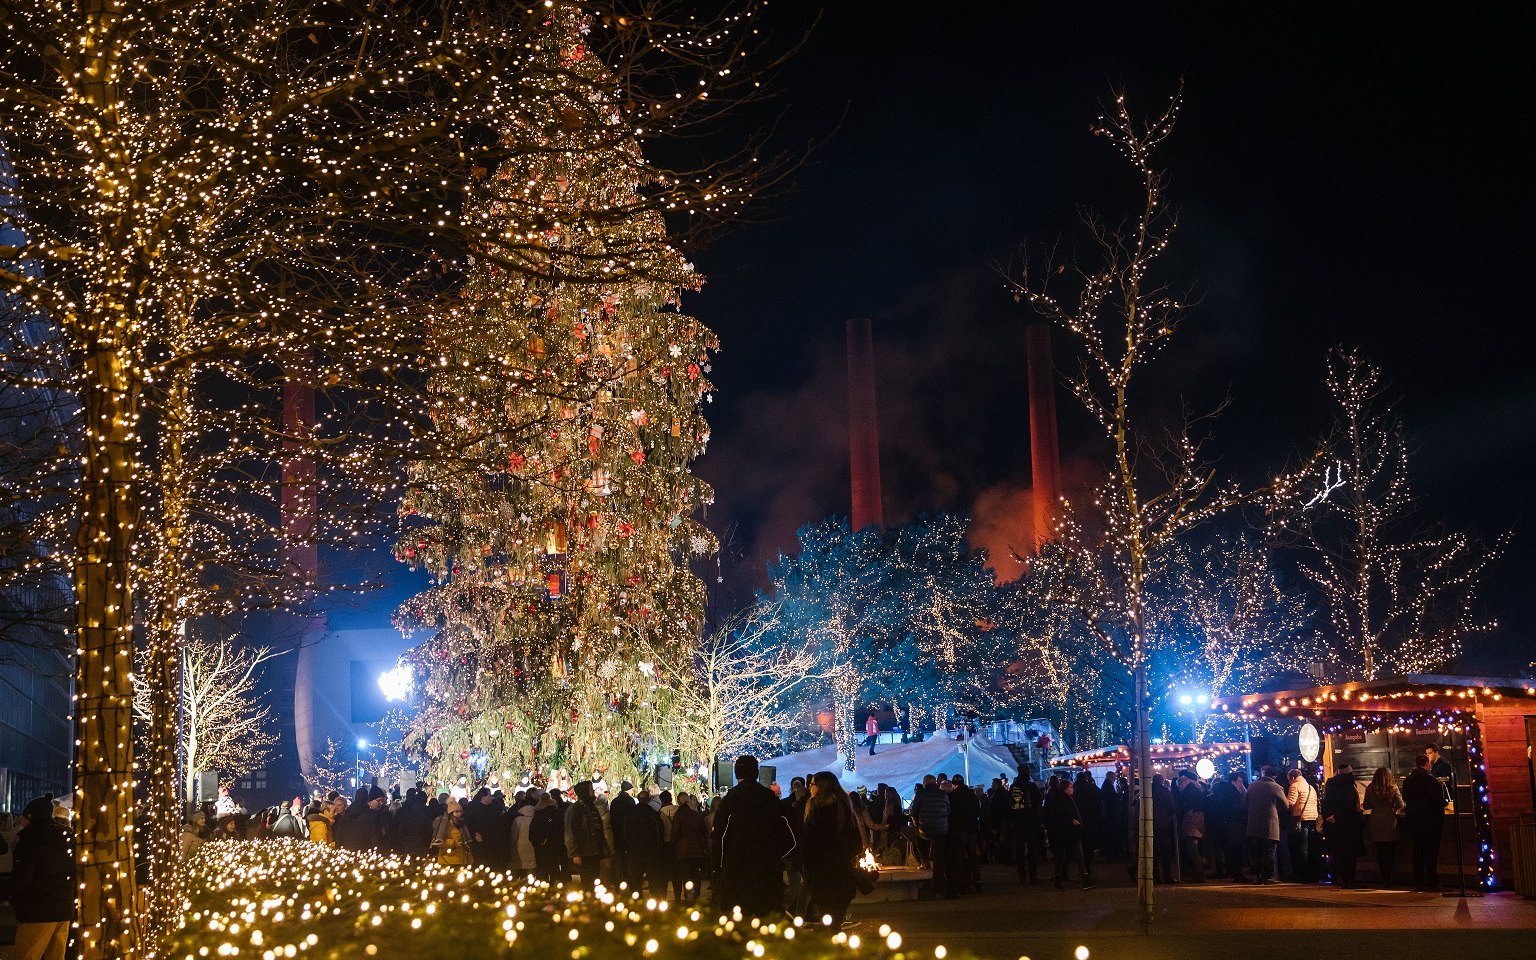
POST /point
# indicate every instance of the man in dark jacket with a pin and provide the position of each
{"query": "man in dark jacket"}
(411, 828)
(618, 819)
(1226, 823)
(964, 829)
(1165, 830)
(1090, 804)
(586, 843)
(1424, 819)
(547, 835)
(350, 830)
(1343, 823)
(42, 884)
(748, 844)
(642, 860)
(1028, 829)
(930, 815)
(1064, 823)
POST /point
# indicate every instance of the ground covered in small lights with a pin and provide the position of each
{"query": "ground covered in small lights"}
(282, 898)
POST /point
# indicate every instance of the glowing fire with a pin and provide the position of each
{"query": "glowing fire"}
(868, 863)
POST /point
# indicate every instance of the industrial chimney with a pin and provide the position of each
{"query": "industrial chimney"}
(1044, 449)
(863, 427)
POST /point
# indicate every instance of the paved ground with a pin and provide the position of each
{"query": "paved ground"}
(1195, 921)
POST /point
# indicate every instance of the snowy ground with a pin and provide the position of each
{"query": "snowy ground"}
(901, 764)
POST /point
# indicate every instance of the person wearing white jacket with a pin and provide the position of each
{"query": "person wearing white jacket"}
(523, 860)
(1301, 799)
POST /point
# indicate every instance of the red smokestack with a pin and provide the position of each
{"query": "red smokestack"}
(1044, 449)
(863, 427)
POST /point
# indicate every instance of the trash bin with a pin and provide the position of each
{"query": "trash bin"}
(1522, 837)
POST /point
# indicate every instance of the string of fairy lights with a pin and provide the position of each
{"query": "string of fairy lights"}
(558, 535)
(279, 216)
(282, 899)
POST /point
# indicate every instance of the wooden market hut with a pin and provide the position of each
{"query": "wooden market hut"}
(1486, 727)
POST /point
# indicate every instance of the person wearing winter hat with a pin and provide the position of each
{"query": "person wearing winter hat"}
(450, 838)
(42, 884)
(376, 820)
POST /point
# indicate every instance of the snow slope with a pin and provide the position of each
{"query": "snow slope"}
(900, 764)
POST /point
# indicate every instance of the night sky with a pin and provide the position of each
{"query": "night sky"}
(1342, 177)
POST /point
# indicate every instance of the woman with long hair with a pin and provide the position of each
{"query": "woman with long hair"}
(830, 843)
(450, 837)
(1383, 805)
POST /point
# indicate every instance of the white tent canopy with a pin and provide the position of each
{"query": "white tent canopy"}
(902, 765)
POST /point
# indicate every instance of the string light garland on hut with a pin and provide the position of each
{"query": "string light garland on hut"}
(1160, 752)
(1426, 691)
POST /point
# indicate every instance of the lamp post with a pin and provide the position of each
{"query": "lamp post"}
(358, 778)
(1196, 705)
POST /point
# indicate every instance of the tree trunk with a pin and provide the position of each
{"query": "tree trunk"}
(109, 501)
(1144, 819)
(162, 806)
(843, 710)
(163, 676)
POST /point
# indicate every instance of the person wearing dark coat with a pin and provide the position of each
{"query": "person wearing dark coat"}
(1343, 824)
(964, 829)
(497, 848)
(1112, 794)
(1028, 834)
(42, 888)
(831, 846)
(586, 842)
(1064, 823)
(1424, 820)
(411, 828)
(1090, 804)
(930, 814)
(1000, 822)
(374, 829)
(547, 835)
(690, 847)
(1440, 768)
(1264, 802)
(1165, 830)
(750, 838)
(619, 809)
(480, 824)
(1192, 825)
(1226, 823)
(349, 831)
(642, 859)
(797, 895)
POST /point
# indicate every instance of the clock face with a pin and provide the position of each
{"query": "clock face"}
(1309, 743)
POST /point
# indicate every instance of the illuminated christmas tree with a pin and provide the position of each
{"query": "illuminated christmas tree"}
(559, 495)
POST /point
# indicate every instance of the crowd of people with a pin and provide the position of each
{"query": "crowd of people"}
(1280, 827)
(808, 852)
